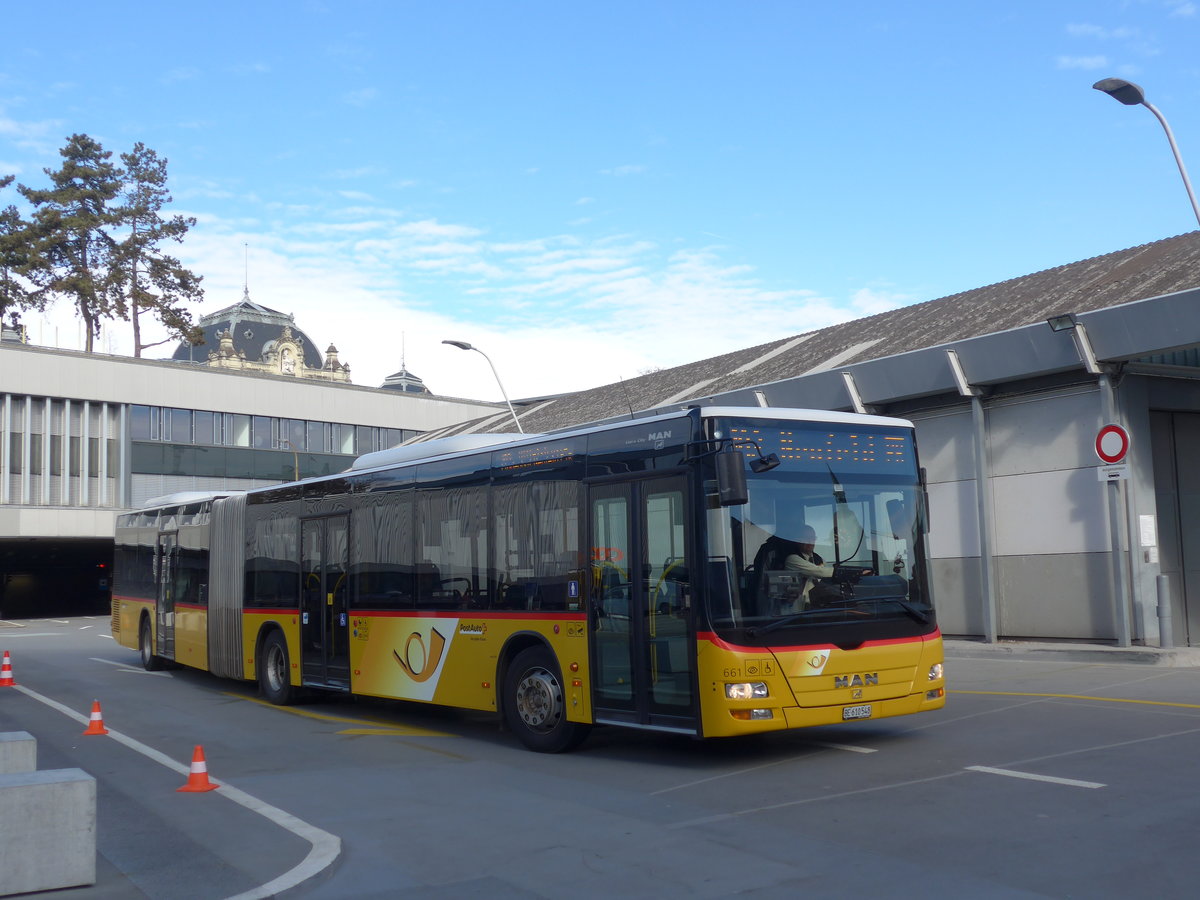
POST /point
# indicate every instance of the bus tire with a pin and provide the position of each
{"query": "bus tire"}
(150, 662)
(535, 703)
(274, 670)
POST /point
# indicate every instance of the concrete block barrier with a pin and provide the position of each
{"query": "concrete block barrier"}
(47, 830)
(18, 752)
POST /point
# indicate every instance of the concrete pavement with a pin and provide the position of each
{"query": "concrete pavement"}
(1067, 651)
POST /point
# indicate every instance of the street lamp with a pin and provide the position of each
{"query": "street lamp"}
(463, 345)
(1132, 95)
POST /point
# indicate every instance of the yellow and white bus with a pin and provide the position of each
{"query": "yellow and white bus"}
(611, 574)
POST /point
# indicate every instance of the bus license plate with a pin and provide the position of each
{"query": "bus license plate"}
(857, 712)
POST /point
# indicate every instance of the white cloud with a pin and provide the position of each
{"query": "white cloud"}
(1101, 33)
(622, 171)
(554, 313)
(429, 229)
(181, 73)
(361, 97)
(359, 172)
(1185, 10)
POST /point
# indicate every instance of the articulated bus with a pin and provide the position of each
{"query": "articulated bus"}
(612, 574)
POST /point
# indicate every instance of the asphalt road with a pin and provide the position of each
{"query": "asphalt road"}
(1046, 775)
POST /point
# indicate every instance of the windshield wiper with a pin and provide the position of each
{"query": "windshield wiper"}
(812, 613)
(917, 614)
(778, 623)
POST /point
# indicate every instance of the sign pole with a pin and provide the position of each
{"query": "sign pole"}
(1112, 443)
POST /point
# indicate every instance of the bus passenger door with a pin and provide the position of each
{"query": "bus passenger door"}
(324, 602)
(640, 616)
(168, 565)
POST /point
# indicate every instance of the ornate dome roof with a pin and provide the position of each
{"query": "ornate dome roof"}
(255, 329)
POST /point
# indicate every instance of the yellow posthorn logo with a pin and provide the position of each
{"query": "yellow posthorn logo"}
(426, 664)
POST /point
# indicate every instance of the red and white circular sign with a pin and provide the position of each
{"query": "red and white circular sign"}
(1112, 443)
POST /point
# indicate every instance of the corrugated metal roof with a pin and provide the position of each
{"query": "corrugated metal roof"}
(1138, 273)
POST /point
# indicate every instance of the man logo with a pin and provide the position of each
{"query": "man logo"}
(865, 680)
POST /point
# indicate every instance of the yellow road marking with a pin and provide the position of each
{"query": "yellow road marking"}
(1079, 697)
(389, 728)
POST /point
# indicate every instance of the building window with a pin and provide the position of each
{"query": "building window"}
(262, 432)
(343, 439)
(177, 426)
(318, 437)
(140, 423)
(208, 427)
(293, 434)
(237, 430)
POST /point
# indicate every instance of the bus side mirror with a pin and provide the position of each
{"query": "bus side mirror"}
(731, 478)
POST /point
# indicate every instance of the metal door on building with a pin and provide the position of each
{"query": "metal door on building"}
(640, 616)
(1175, 443)
(324, 602)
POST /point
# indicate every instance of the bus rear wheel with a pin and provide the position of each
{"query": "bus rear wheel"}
(274, 670)
(535, 703)
(150, 662)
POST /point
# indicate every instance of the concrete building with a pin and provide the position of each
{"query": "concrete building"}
(83, 436)
(1032, 536)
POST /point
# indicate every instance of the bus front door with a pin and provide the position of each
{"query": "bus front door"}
(168, 564)
(640, 617)
(324, 610)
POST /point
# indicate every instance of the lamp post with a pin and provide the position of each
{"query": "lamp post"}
(463, 345)
(295, 457)
(1132, 95)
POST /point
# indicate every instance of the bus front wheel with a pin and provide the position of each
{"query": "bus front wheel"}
(535, 703)
(274, 670)
(150, 662)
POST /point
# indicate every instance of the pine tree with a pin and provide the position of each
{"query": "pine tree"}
(144, 278)
(72, 250)
(16, 294)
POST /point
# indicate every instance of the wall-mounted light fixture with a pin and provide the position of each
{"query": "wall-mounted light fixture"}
(1070, 322)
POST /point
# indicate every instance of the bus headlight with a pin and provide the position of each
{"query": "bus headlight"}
(746, 690)
(935, 672)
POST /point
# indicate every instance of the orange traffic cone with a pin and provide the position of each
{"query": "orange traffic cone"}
(6, 678)
(198, 777)
(96, 721)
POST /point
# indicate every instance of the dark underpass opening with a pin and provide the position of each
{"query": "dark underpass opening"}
(43, 577)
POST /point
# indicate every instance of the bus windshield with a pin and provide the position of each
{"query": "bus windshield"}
(830, 547)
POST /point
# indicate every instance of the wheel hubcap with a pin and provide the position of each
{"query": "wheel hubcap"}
(539, 700)
(275, 668)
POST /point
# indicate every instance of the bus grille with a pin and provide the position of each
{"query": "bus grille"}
(116, 617)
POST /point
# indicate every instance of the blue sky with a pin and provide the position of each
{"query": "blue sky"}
(592, 190)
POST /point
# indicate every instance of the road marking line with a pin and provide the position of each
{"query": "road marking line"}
(1079, 697)
(124, 667)
(779, 762)
(722, 817)
(326, 847)
(37, 634)
(850, 748)
(1028, 776)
